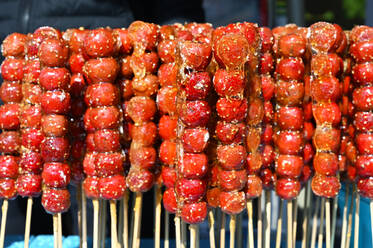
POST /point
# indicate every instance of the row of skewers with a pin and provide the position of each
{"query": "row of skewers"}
(217, 116)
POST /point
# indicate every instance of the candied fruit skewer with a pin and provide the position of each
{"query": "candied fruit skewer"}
(193, 90)
(103, 162)
(361, 52)
(12, 72)
(77, 134)
(141, 109)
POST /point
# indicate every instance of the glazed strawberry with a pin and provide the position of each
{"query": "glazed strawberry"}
(190, 190)
(9, 116)
(10, 142)
(147, 86)
(231, 110)
(54, 78)
(55, 200)
(54, 149)
(29, 185)
(232, 202)
(8, 188)
(194, 213)
(99, 43)
(169, 200)
(12, 69)
(11, 92)
(8, 166)
(112, 188)
(56, 175)
(53, 52)
(140, 181)
(14, 45)
(55, 102)
(101, 70)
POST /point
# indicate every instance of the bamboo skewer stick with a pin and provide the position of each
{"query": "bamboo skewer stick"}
(344, 218)
(178, 231)
(113, 215)
(327, 222)
(4, 213)
(166, 229)
(125, 220)
(290, 224)
(267, 241)
(84, 220)
(158, 209)
(260, 222)
(193, 235)
(314, 223)
(59, 230)
(120, 222)
(79, 213)
(334, 220)
(250, 228)
(295, 217)
(309, 213)
(103, 223)
(211, 229)
(95, 222)
(279, 224)
(239, 231)
(349, 225)
(197, 236)
(55, 231)
(100, 205)
(357, 221)
(222, 231)
(321, 228)
(137, 221)
(305, 216)
(28, 222)
(183, 234)
(232, 230)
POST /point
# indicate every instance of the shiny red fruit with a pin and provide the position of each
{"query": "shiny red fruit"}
(197, 86)
(99, 43)
(14, 45)
(232, 110)
(56, 175)
(8, 188)
(8, 166)
(193, 166)
(232, 202)
(194, 213)
(112, 188)
(168, 176)
(325, 186)
(90, 186)
(140, 181)
(53, 52)
(146, 86)
(10, 142)
(55, 200)
(167, 74)
(11, 92)
(54, 78)
(55, 102)
(195, 55)
(143, 157)
(141, 109)
(365, 187)
(254, 187)
(143, 35)
(12, 69)
(55, 149)
(287, 189)
(228, 83)
(289, 166)
(102, 94)
(167, 152)
(101, 70)
(231, 157)
(32, 138)
(169, 200)
(195, 113)
(29, 185)
(195, 139)
(325, 163)
(229, 132)
(9, 116)
(190, 190)
(290, 68)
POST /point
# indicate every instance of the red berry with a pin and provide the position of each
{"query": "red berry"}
(365, 187)
(195, 139)
(167, 74)
(141, 109)
(228, 83)
(169, 200)
(190, 190)
(31, 71)
(102, 94)
(289, 93)
(99, 43)
(90, 186)
(9, 116)
(76, 41)
(327, 139)
(146, 86)
(8, 188)
(167, 127)
(290, 68)
(292, 45)
(168, 176)
(232, 202)
(290, 118)
(166, 100)
(104, 117)
(10, 142)
(167, 50)
(364, 142)
(195, 55)
(194, 213)
(231, 157)
(323, 36)
(364, 166)
(231, 50)
(29, 185)
(32, 138)
(101, 70)
(197, 86)
(140, 181)
(12, 69)
(167, 152)
(143, 35)
(53, 52)
(8, 166)
(148, 61)
(362, 98)
(143, 156)
(56, 175)
(289, 166)
(107, 140)
(229, 132)
(55, 200)
(31, 93)
(123, 40)
(31, 162)
(231, 110)
(232, 180)
(287, 188)
(326, 113)
(14, 45)
(213, 197)
(326, 64)
(54, 78)
(253, 187)
(112, 188)
(325, 186)
(193, 166)
(55, 149)
(11, 92)
(55, 102)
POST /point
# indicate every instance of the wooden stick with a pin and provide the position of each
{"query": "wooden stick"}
(166, 229)
(183, 234)
(84, 220)
(309, 213)
(100, 216)
(344, 218)
(197, 236)
(327, 222)
(250, 228)
(103, 223)
(260, 222)
(349, 225)
(371, 217)
(211, 229)
(314, 223)
(113, 215)
(59, 230)
(267, 239)
(79, 213)
(357, 221)
(28, 222)
(295, 217)
(239, 230)
(290, 223)
(279, 224)
(193, 235)
(222, 231)
(305, 216)
(125, 220)
(158, 209)
(321, 228)
(95, 222)
(178, 231)
(55, 230)
(137, 225)
(120, 221)
(232, 230)
(334, 220)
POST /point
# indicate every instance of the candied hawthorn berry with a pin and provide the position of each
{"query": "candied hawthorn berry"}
(364, 166)
(56, 175)
(193, 166)
(232, 180)
(11, 92)
(9, 116)
(54, 149)
(143, 156)
(167, 74)
(101, 70)
(54, 78)
(32, 138)
(289, 166)
(102, 94)
(253, 187)
(195, 113)
(231, 110)
(146, 62)
(54, 125)
(29, 185)
(228, 83)
(167, 127)
(14, 45)
(229, 132)
(195, 139)
(195, 55)
(166, 100)
(232, 202)
(169, 200)
(167, 50)
(10, 142)
(231, 157)
(143, 35)
(232, 50)
(289, 93)
(107, 140)
(8, 166)
(323, 36)
(365, 187)
(104, 117)
(325, 186)
(146, 86)
(53, 52)
(212, 196)
(8, 188)
(168, 176)
(362, 73)
(144, 133)
(76, 62)
(140, 181)
(55, 102)
(190, 190)
(99, 42)
(55, 200)
(289, 142)
(197, 86)
(112, 188)
(287, 189)
(194, 213)
(290, 68)
(326, 64)
(141, 109)
(90, 186)
(290, 118)
(167, 152)
(12, 69)
(327, 113)
(362, 98)
(327, 139)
